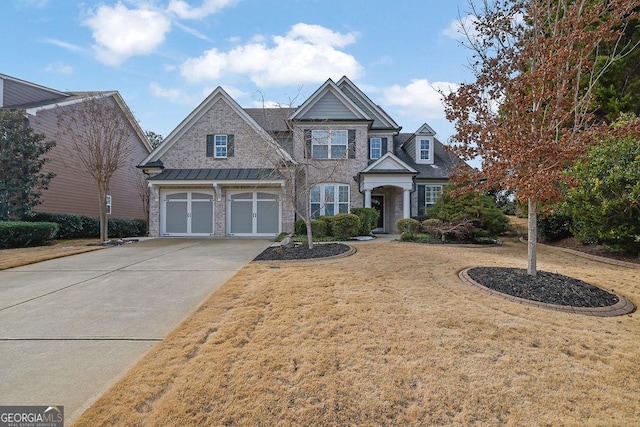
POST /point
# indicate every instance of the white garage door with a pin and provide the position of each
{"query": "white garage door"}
(187, 213)
(253, 213)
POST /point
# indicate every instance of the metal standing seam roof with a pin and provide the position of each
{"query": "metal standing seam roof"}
(217, 175)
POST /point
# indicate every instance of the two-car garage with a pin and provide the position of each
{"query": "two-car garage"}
(250, 206)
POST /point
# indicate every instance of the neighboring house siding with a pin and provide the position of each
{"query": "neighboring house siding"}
(73, 190)
(329, 108)
(16, 93)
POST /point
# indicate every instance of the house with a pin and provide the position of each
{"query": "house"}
(72, 190)
(219, 172)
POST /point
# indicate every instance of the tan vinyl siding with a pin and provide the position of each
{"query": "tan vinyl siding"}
(16, 93)
(73, 190)
(329, 107)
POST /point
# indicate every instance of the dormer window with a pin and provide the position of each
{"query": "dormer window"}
(424, 149)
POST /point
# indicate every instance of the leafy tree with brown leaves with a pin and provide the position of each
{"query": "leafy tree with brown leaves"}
(99, 133)
(529, 112)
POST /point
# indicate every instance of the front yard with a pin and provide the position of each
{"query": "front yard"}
(388, 336)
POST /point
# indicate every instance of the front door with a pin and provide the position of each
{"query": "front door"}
(253, 213)
(377, 202)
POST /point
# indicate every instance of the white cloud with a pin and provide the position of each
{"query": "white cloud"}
(121, 33)
(64, 45)
(419, 99)
(33, 3)
(59, 68)
(462, 29)
(193, 32)
(183, 10)
(176, 96)
(307, 54)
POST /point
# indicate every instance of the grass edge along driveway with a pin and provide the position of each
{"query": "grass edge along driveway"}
(388, 336)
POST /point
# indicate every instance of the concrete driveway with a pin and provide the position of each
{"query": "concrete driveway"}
(71, 327)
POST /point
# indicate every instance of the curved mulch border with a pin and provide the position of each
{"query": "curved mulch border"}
(598, 258)
(350, 252)
(623, 306)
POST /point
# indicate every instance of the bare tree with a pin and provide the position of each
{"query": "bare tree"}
(292, 157)
(99, 132)
(529, 113)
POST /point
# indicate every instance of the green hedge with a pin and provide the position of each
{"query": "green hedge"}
(21, 234)
(345, 225)
(79, 226)
(368, 219)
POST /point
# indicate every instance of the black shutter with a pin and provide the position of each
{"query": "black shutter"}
(351, 148)
(384, 147)
(307, 144)
(421, 199)
(209, 145)
(369, 149)
(230, 145)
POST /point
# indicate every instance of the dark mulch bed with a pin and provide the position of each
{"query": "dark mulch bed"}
(600, 250)
(324, 250)
(546, 287)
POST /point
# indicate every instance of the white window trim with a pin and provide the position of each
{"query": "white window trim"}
(436, 192)
(336, 200)
(108, 204)
(330, 144)
(379, 139)
(420, 160)
(215, 146)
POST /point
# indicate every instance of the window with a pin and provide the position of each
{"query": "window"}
(108, 204)
(329, 199)
(375, 148)
(431, 194)
(329, 144)
(424, 148)
(220, 146)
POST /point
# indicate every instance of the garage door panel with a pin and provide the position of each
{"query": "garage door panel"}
(241, 217)
(176, 216)
(267, 217)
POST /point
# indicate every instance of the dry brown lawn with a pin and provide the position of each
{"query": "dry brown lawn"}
(389, 336)
(10, 258)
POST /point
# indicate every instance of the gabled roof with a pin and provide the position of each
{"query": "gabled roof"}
(425, 129)
(72, 98)
(271, 119)
(389, 163)
(329, 89)
(218, 95)
(443, 165)
(53, 92)
(381, 120)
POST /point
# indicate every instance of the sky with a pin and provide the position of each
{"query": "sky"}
(167, 56)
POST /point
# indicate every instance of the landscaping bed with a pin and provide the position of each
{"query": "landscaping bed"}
(546, 287)
(301, 252)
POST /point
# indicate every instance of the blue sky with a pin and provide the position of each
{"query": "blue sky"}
(166, 56)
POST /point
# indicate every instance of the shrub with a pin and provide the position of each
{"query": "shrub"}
(329, 222)
(300, 228)
(318, 228)
(345, 225)
(488, 220)
(554, 225)
(368, 219)
(430, 222)
(70, 226)
(77, 226)
(408, 226)
(20, 234)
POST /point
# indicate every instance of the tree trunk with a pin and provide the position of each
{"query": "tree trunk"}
(104, 226)
(532, 233)
(309, 233)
